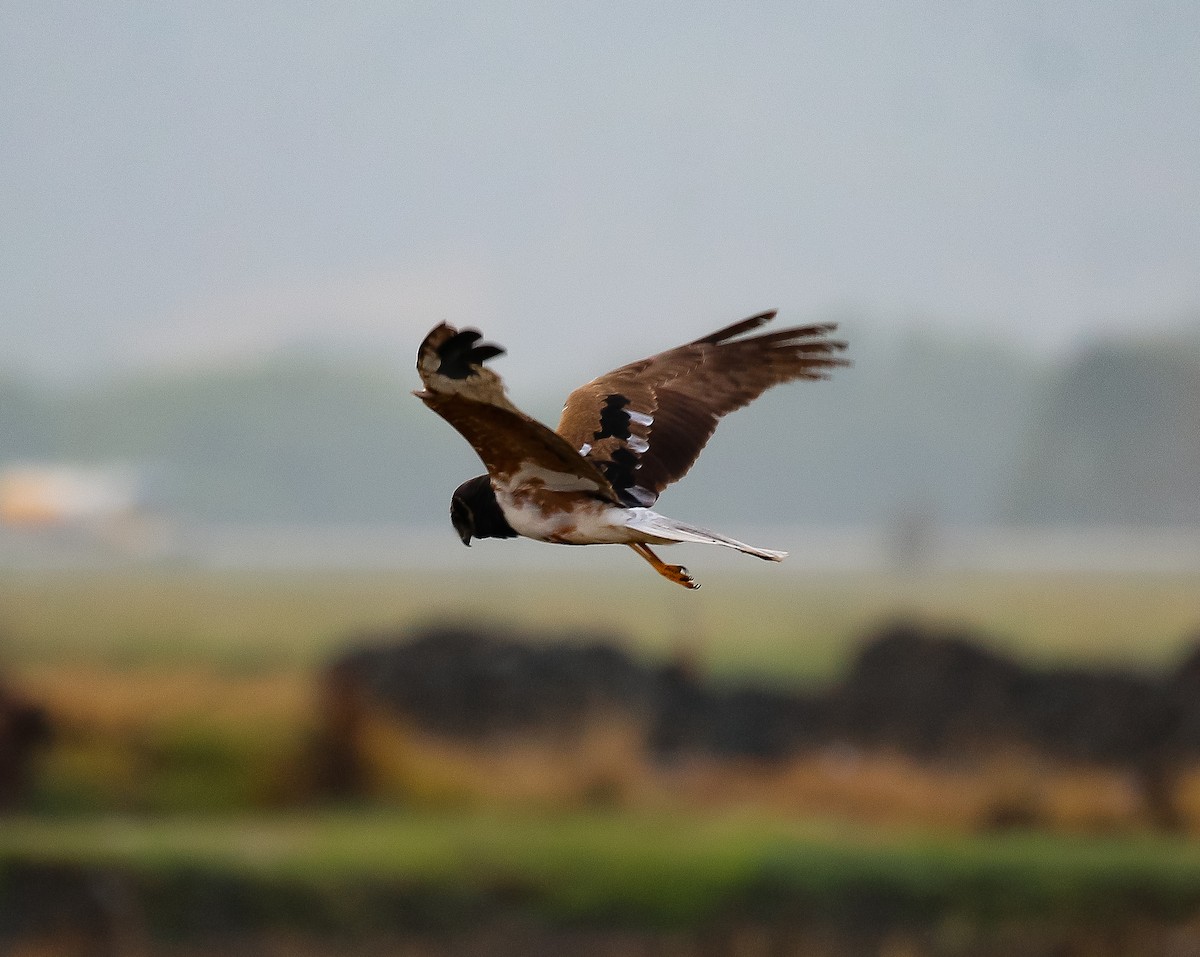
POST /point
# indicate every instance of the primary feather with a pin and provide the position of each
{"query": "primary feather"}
(645, 423)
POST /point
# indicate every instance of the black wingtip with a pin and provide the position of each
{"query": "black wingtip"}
(461, 357)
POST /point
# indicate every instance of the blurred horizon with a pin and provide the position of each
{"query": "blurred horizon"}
(928, 437)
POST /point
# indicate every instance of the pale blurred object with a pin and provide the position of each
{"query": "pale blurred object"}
(35, 494)
(55, 514)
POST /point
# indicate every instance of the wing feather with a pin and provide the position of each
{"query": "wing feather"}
(472, 399)
(645, 423)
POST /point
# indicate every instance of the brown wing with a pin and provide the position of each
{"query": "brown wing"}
(645, 424)
(515, 448)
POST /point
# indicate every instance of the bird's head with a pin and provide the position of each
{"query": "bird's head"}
(475, 513)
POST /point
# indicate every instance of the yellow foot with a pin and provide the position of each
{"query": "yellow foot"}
(679, 575)
(675, 573)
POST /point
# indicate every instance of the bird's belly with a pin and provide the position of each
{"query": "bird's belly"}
(565, 519)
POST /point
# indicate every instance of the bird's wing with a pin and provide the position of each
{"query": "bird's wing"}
(645, 424)
(518, 451)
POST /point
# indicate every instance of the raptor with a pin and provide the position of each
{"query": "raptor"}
(622, 438)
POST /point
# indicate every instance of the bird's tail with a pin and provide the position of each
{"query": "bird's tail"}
(661, 530)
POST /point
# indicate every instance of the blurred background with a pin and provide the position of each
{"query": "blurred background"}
(256, 695)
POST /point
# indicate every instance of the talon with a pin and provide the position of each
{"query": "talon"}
(680, 574)
(675, 573)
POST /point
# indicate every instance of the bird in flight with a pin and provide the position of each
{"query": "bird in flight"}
(622, 438)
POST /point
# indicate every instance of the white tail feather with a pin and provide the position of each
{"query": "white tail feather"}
(660, 530)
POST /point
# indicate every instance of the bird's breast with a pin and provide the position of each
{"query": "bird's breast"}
(565, 511)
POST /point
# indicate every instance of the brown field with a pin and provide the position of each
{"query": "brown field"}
(185, 691)
(122, 738)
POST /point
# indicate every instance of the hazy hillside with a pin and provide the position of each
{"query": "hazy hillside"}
(1116, 439)
(961, 431)
(292, 441)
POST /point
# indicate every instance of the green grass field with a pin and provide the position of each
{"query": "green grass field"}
(654, 869)
(798, 627)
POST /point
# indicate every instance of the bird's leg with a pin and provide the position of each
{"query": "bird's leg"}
(675, 573)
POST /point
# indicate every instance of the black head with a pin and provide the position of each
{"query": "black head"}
(475, 513)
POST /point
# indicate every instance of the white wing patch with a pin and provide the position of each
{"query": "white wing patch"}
(533, 475)
(585, 448)
(641, 418)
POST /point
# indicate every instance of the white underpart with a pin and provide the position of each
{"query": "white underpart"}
(517, 496)
(592, 521)
(641, 418)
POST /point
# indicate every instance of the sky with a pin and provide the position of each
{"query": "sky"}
(189, 184)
